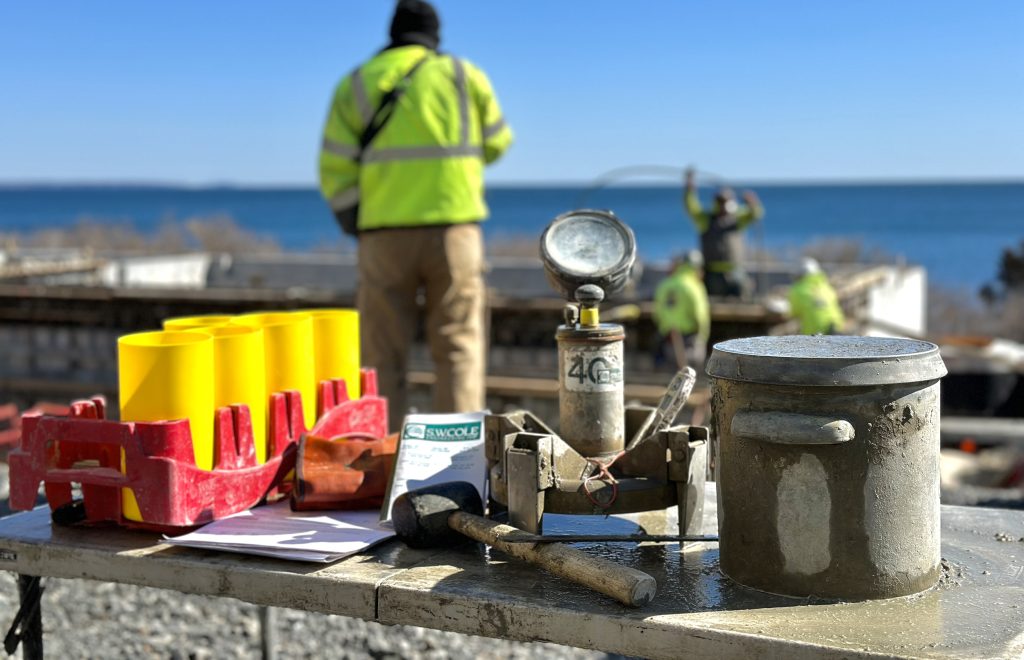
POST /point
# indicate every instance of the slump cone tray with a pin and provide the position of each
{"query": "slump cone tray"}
(159, 465)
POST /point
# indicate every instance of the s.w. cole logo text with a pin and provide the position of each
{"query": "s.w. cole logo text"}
(443, 432)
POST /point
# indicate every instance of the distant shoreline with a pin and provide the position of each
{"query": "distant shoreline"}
(958, 230)
(33, 186)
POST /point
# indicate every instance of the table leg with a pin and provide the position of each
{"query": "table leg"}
(29, 590)
(268, 632)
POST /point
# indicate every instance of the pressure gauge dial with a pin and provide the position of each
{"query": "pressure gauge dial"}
(587, 247)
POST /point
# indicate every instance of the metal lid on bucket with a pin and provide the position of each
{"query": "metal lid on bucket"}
(826, 360)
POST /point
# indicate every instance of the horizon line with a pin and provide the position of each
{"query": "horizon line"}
(638, 182)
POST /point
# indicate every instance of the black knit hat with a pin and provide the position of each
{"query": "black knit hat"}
(416, 22)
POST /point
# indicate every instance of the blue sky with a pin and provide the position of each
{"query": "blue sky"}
(235, 92)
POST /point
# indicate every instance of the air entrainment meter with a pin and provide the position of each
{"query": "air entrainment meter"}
(587, 256)
(587, 466)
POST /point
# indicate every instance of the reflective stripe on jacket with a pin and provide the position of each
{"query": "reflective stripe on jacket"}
(814, 303)
(681, 304)
(425, 167)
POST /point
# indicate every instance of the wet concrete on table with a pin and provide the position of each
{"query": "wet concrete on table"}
(976, 610)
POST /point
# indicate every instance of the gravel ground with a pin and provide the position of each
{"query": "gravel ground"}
(85, 619)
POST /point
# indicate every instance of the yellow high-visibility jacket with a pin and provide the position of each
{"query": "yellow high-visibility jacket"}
(681, 304)
(813, 302)
(425, 167)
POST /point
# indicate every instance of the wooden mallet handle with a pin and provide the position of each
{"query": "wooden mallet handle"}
(626, 585)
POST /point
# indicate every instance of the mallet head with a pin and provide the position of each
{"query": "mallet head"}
(421, 516)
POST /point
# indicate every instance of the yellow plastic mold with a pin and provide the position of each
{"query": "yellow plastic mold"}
(166, 376)
(191, 322)
(336, 340)
(239, 375)
(288, 352)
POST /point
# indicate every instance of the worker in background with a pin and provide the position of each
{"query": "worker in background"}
(814, 303)
(721, 237)
(404, 147)
(681, 312)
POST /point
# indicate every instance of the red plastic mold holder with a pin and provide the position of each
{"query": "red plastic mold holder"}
(172, 493)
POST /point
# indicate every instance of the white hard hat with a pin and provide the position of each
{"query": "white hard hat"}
(694, 258)
(809, 266)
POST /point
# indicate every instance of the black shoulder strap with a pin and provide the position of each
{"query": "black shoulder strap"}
(386, 107)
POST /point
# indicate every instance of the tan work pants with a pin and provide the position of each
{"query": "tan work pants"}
(447, 262)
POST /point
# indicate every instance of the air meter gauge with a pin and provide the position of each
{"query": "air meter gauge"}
(586, 466)
(587, 247)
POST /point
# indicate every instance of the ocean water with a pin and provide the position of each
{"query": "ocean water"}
(957, 231)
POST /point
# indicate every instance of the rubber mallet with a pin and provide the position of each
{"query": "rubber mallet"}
(445, 514)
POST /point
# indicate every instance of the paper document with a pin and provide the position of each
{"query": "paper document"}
(277, 531)
(435, 449)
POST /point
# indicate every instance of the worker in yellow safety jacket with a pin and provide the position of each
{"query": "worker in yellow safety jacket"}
(721, 237)
(681, 312)
(401, 164)
(813, 302)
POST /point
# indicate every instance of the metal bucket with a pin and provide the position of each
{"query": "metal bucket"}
(828, 464)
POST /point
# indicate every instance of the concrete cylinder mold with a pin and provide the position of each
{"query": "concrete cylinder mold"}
(828, 464)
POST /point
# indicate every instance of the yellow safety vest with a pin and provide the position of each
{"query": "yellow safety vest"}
(681, 304)
(425, 167)
(814, 303)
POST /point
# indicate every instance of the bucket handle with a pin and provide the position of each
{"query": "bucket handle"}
(786, 428)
